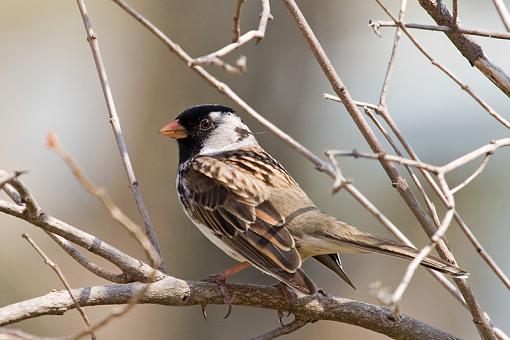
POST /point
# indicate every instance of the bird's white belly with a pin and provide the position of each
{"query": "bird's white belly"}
(214, 239)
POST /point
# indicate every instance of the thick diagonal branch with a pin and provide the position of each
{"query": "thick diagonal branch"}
(468, 47)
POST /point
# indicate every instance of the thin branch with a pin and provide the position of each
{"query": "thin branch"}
(448, 29)
(117, 131)
(455, 15)
(393, 57)
(479, 318)
(472, 51)
(298, 147)
(503, 13)
(85, 262)
(481, 250)
(175, 292)
(383, 109)
(239, 69)
(469, 234)
(116, 213)
(6, 177)
(449, 73)
(282, 330)
(489, 148)
(134, 269)
(236, 21)
(413, 266)
(474, 174)
(356, 154)
(358, 103)
(256, 35)
(62, 278)
(119, 216)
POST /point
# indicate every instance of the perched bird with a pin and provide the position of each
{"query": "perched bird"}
(248, 205)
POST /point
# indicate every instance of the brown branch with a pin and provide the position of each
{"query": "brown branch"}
(256, 35)
(427, 223)
(117, 131)
(119, 216)
(469, 234)
(503, 13)
(133, 269)
(115, 212)
(240, 67)
(447, 29)
(449, 73)
(85, 262)
(469, 48)
(175, 292)
(282, 330)
(62, 278)
(298, 147)
(236, 21)
(477, 172)
(393, 58)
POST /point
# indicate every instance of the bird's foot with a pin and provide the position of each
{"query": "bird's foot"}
(221, 281)
(287, 294)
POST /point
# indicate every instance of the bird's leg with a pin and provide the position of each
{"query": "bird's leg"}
(221, 278)
(286, 294)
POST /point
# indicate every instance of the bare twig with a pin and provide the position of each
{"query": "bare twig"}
(358, 103)
(85, 262)
(393, 58)
(239, 69)
(134, 269)
(411, 268)
(455, 14)
(472, 51)
(282, 330)
(476, 244)
(175, 292)
(356, 154)
(503, 13)
(477, 172)
(299, 148)
(483, 253)
(7, 177)
(448, 29)
(449, 73)
(116, 213)
(480, 321)
(256, 35)
(123, 220)
(114, 120)
(236, 21)
(62, 278)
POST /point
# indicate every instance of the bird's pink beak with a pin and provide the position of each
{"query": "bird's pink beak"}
(174, 130)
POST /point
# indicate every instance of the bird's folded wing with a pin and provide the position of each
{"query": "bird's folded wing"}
(234, 204)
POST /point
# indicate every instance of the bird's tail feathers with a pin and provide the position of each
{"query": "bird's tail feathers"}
(374, 244)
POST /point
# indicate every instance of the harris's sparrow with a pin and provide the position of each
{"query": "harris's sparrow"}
(249, 206)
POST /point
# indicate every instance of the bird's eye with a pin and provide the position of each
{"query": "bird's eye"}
(205, 124)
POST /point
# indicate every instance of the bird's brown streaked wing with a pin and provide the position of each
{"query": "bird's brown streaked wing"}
(235, 205)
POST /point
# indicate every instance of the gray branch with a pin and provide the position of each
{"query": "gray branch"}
(175, 292)
(467, 46)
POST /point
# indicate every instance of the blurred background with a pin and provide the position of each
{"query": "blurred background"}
(49, 83)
